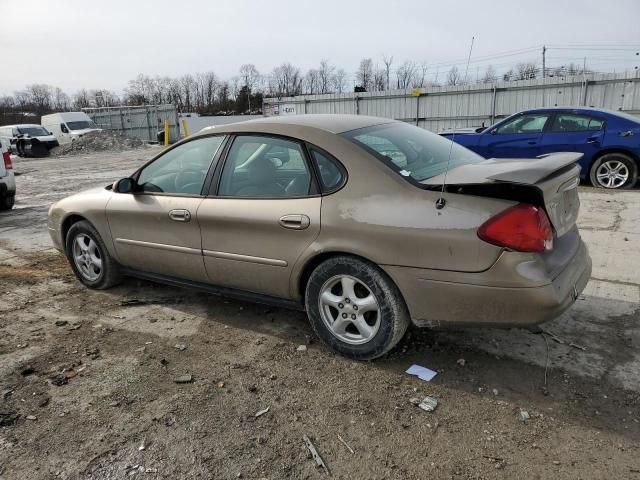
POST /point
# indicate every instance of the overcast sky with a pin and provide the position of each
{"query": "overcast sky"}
(102, 44)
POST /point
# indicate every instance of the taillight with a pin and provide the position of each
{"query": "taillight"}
(7, 161)
(523, 227)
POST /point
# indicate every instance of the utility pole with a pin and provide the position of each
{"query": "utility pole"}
(544, 61)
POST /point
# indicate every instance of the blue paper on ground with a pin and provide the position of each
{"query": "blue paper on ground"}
(423, 373)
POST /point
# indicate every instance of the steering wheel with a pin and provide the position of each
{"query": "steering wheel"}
(188, 181)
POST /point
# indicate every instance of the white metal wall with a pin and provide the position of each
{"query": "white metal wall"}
(439, 108)
(140, 121)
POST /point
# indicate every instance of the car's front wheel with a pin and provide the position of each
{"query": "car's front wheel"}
(614, 170)
(355, 308)
(89, 257)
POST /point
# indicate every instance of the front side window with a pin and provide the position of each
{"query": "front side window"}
(567, 122)
(411, 151)
(182, 170)
(264, 167)
(533, 123)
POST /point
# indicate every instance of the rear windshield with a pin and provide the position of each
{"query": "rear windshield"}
(412, 151)
(81, 125)
(33, 131)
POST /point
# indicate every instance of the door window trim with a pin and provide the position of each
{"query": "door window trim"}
(207, 178)
(214, 188)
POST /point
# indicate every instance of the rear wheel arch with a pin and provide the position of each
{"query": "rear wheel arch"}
(316, 260)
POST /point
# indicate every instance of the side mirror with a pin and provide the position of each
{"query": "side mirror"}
(493, 131)
(124, 185)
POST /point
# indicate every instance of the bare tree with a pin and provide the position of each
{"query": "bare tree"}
(61, 101)
(40, 97)
(405, 74)
(489, 75)
(325, 76)
(508, 75)
(379, 79)
(312, 81)
(250, 77)
(287, 80)
(81, 99)
(420, 78)
(340, 80)
(387, 68)
(526, 70)
(364, 75)
(188, 86)
(454, 77)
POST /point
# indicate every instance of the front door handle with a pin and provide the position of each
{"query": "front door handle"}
(295, 222)
(592, 139)
(532, 142)
(180, 215)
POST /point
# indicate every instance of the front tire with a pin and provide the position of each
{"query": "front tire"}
(613, 171)
(89, 257)
(355, 308)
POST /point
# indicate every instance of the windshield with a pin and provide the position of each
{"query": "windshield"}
(412, 151)
(81, 125)
(33, 131)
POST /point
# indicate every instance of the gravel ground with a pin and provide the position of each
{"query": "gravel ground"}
(88, 380)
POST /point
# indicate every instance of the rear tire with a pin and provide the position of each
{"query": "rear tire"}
(89, 257)
(6, 203)
(614, 171)
(355, 308)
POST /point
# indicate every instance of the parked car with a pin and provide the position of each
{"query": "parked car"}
(67, 126)
(343, 216)
(7, 179)
(609, 141)
(28, 139)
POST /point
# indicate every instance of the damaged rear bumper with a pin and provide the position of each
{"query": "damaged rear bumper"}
(445, 302)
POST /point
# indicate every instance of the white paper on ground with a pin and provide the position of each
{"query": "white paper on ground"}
(423, 373)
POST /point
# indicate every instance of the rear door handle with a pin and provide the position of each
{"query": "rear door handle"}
(180, 215)
(295, 222)
(532, 142)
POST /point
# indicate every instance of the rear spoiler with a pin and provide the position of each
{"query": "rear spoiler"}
(510, 170)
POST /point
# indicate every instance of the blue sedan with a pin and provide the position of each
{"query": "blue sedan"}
(608, 140)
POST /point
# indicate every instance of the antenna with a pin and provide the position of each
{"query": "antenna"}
(441, 202)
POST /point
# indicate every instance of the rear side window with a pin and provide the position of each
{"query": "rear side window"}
(567, 122)
(331, 175)
(411, 151)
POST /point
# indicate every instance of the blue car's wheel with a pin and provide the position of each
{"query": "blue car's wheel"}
(614, 170)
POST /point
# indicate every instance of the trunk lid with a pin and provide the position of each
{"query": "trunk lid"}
(554, 176)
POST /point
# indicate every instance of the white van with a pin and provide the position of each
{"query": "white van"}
(67, 126)
(7, 179)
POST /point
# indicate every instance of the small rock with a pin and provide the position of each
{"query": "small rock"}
(44, 402)
(180, 346)
(524, 415)
(556, 462)
(61, 323)
(115, 404)
(495, 391)
(261, 412)
(221, 384)
(28, 370)
(301, 348)
(273, 376)
(142, 446)
(31, 417)
(253, 388)
(461, 362)
(187, 378)
(428, 404)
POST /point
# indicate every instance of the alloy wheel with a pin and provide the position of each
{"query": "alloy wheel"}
(349, 309)
(612, 174)
(87, 257)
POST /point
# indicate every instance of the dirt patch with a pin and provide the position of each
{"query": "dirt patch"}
(34, 268)
(99, 141)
